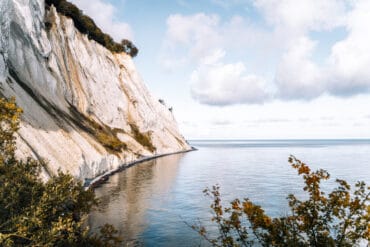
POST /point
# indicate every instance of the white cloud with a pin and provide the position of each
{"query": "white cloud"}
(303, 15)
(213, 58)
(191, 30)
(201, 39)
(349, 62)
(195, 35)
(221, 122)
(190, 39)
(288, 42)
(105, 16)
(296, 75)
(344, 73)
(215, 83)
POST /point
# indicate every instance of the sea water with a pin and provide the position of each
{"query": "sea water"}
(155, 203)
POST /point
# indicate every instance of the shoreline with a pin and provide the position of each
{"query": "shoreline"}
(101, 179)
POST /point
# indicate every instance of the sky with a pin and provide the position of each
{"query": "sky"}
(251, 69)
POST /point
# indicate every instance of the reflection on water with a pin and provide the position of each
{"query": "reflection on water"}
(150, 202)
(126, 198)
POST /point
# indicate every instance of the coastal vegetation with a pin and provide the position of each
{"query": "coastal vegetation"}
(143, 138)
(38, 213)
(87, 26)
(105, 135)
(52, 213)
(339, 218)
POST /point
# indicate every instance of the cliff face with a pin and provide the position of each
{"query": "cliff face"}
(86, 110)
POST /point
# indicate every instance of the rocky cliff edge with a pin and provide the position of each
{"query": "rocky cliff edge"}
(86, 110)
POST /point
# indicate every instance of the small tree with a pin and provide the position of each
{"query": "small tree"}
(340, 218)
(33, 213)
(129, 47)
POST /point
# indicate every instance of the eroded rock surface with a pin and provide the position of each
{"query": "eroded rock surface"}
(86, 110)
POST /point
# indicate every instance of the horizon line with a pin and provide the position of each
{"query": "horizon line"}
(279, 139)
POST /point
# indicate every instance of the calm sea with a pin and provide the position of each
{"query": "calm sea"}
(152, 204)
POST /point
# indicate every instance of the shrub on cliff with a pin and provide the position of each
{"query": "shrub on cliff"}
(143, 138)
(69, 9)
(340, 218)
(129, 47)
(87, 26)
(34, 213)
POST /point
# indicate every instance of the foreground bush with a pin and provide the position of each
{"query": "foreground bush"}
(340, 218)
(34, 213)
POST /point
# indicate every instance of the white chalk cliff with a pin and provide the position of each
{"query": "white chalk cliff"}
(86, 110)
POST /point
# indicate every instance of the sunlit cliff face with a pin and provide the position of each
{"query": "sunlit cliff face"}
(86, 110)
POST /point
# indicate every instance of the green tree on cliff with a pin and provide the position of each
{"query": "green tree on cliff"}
(129, 48)
(86, 25)
(35, 213)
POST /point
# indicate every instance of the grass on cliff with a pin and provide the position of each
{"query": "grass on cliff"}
(143, 138)
(111, 142)
(101, 132)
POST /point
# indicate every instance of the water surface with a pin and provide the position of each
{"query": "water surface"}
(150, 202)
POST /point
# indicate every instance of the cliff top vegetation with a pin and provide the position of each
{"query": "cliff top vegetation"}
(87, 26)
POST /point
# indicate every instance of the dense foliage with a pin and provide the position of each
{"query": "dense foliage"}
(37, 213)
(340, 218)
(87, 26)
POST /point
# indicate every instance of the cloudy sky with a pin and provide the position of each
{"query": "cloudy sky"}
(256, 69)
